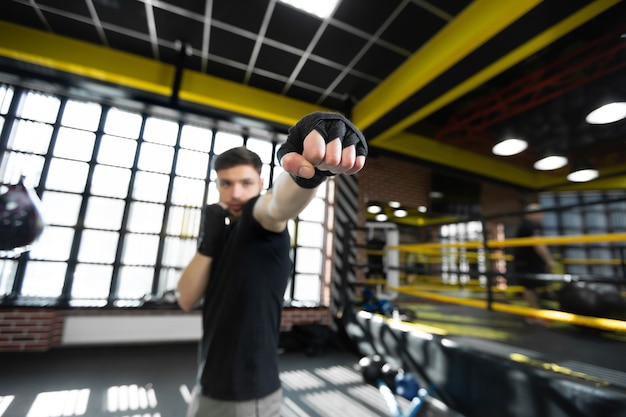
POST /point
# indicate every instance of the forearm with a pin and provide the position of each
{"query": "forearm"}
(284, 201)
(193, 281)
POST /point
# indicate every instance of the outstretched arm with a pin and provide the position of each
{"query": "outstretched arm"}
(320, 145)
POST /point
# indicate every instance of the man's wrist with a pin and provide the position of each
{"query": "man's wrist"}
(309, 183)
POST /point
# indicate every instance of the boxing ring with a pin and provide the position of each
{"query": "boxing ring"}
(465, 335)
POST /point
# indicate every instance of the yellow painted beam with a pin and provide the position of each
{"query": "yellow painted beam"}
(238, 98)
(84, 59)
(448, 155)
(127, 70)
(514, 57)
(477, 24)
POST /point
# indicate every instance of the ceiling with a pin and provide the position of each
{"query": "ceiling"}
(438, 81)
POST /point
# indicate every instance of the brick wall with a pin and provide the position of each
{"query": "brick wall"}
(385, 178)
(30, 328)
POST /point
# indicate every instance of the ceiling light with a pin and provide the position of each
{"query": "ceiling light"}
(374, 209)
(582, 171)
(550, 162)
(583, 175)
(319, 8)
(394, 204)
(381, 217)
(422, 209)
(508, 147)
(608, 113)
(400, 213)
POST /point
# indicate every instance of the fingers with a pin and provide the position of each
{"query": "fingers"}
(323, 156)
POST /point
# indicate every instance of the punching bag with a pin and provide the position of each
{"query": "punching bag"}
(21, 221)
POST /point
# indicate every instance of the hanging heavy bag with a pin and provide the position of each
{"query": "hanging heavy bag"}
(21, 221)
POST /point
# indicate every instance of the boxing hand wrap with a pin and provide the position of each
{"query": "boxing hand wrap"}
(330, 126)
(212, 229)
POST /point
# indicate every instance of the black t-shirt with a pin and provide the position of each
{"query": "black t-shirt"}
(526, 258)
(242, 311)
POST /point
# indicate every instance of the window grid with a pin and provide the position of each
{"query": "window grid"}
(587, 213)
(86, 275)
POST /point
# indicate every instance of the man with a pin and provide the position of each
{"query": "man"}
(532, 260)
(241, 269)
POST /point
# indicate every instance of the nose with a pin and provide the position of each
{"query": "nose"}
(237, 191)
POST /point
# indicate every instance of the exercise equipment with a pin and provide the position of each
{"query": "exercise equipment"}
(392, 381)
(592, 299)
(21, 221)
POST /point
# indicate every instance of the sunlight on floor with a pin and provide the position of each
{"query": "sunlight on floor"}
(5, 401)
(68, 403)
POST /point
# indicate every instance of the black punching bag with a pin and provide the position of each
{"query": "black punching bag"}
(21, 221)
(593, 299)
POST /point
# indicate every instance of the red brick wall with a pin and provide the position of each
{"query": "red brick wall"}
(385, 178)
(30, 328)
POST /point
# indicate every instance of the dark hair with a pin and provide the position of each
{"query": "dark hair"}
(238, 156)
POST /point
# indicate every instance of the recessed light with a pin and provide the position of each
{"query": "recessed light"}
(374, 209)
(381, 217)
(394, 204)
(400, 213)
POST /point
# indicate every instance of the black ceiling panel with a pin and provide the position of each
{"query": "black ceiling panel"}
(129, 44)
(356, 87)
(231, 46)
(317, 74)
(366, 15)
(292, 28)
(379, 62)
(20, 14)
(413, 27)
(126, 14)
(266, 83)
(338, 45)
(241, 14)
(69, 7)
(226, 72)
(72, 28)
(174, 27)
(277, 61)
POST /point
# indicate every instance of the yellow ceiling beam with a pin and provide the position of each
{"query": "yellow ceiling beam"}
(478, 23)
(238, 98)
(454, 157)
(132, 71)
(84, 59)
(438, 44)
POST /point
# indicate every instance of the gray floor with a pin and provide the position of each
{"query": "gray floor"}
(153, 381)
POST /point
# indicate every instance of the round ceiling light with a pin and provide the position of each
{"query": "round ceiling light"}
(608, 113)
(509, 147)
(583, 175)
(550, 162)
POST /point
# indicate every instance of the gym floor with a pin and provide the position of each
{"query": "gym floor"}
(154, 381)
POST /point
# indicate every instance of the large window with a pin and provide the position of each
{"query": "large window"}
(122, 194)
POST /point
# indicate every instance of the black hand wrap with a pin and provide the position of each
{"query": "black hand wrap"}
(331, 126)
(212, 229)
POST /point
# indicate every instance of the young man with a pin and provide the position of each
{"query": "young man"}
(242, 265)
